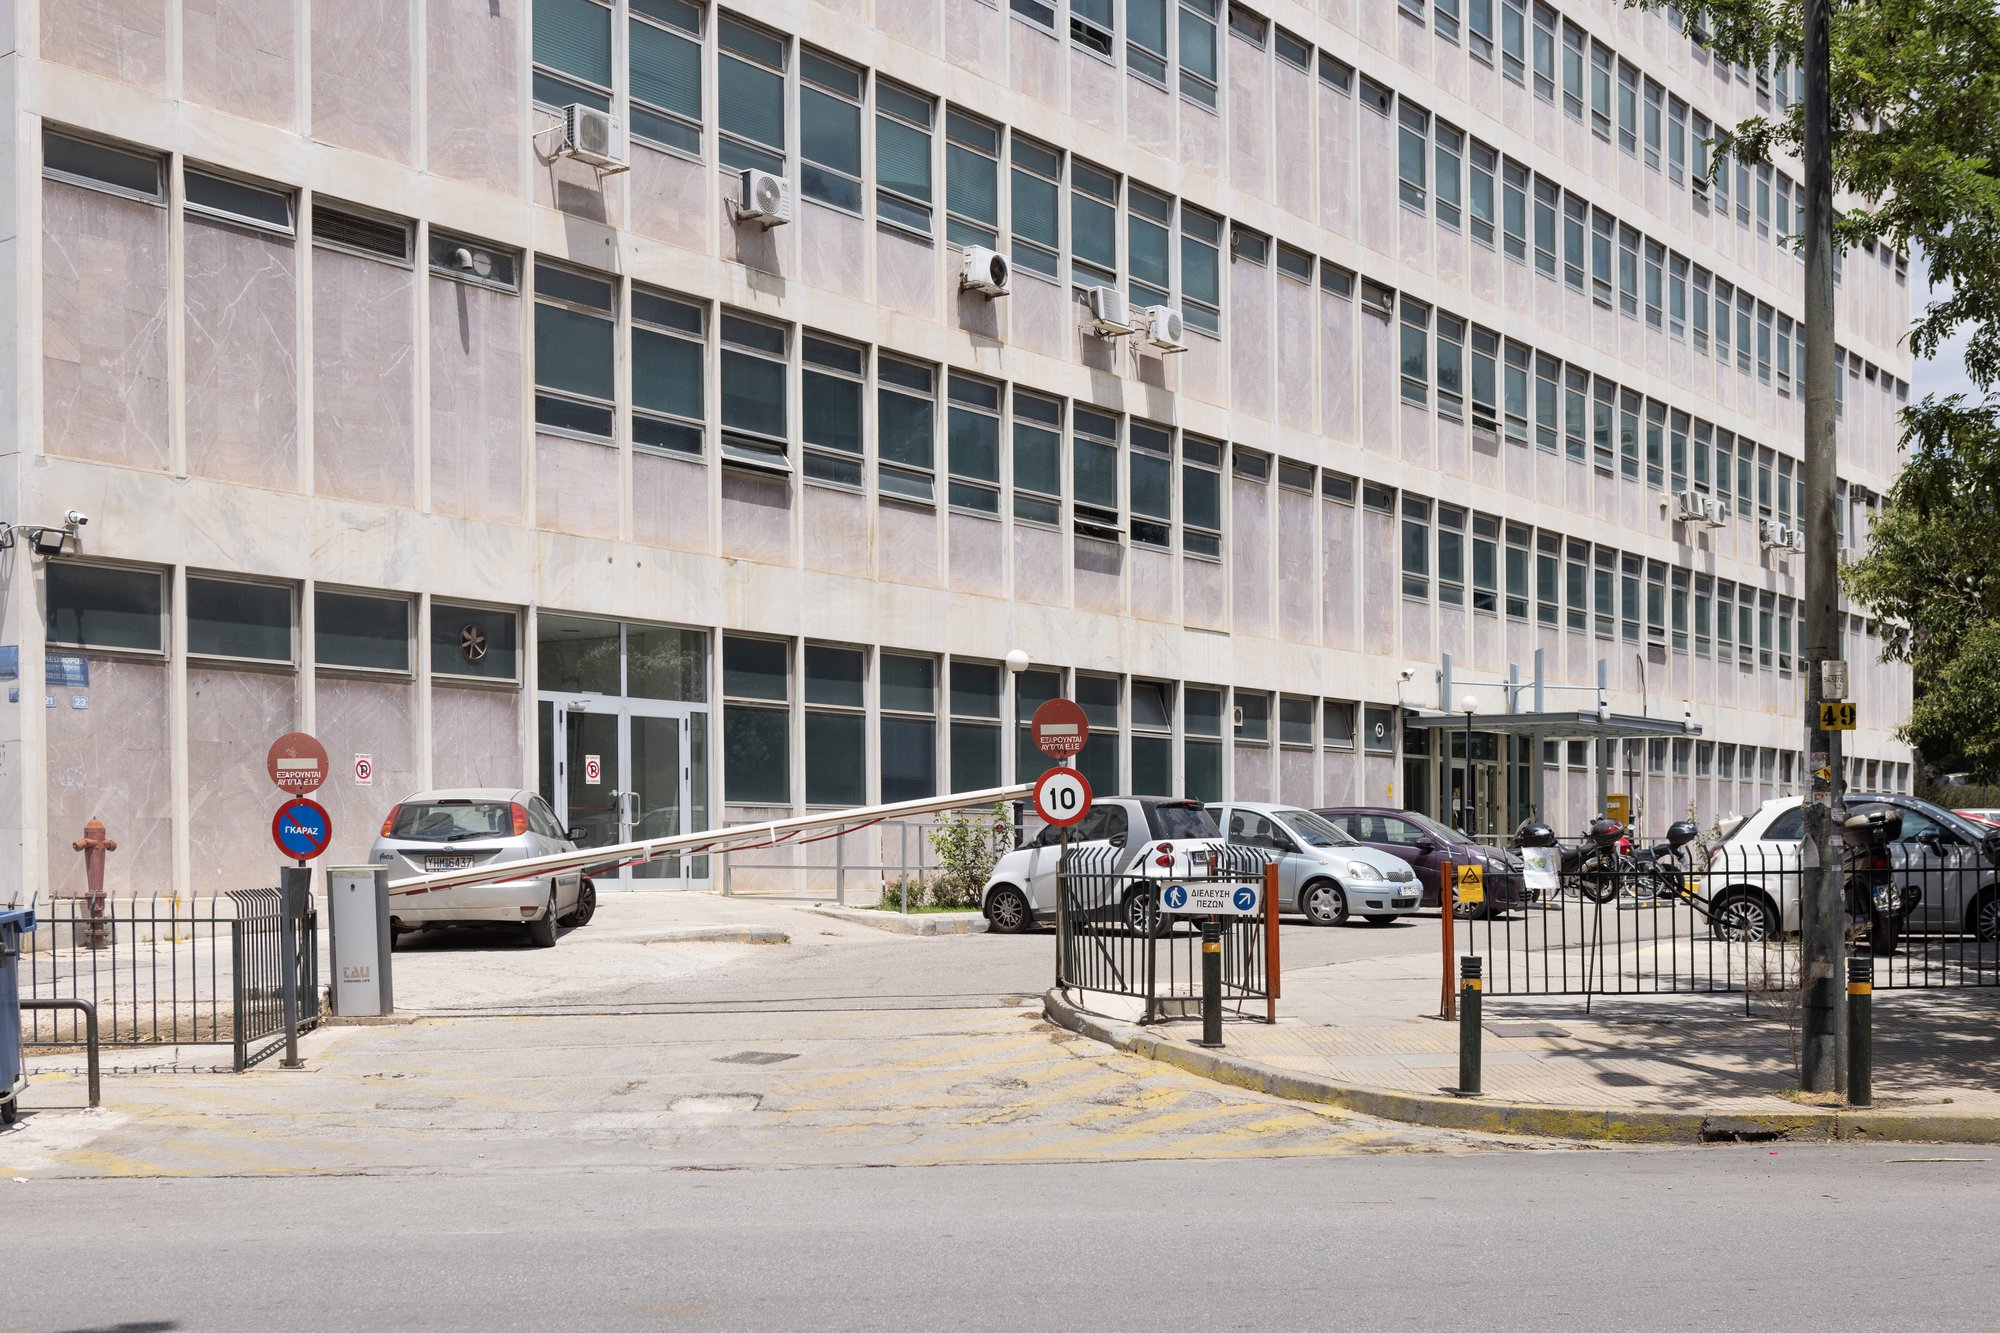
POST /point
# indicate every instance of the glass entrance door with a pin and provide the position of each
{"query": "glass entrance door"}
(620, 771)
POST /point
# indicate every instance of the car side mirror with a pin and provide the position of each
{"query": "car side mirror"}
(576, 834)
(1424, 845)
(1116, 840)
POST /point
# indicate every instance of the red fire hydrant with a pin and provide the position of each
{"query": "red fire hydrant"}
(93, 846)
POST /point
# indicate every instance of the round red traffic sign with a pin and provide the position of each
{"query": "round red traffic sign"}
(301, 828)
(1062, 797)
(296, 763)
(1060, 728)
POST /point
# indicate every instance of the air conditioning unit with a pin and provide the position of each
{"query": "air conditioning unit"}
(1164, 328)
(590, 135)
(1110, 313)
(763, 197)
(1691, 506)
(986, 271)
(1768, 533)
(1798, 540)
(1718, 514)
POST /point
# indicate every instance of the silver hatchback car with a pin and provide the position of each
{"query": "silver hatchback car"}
(466, 827)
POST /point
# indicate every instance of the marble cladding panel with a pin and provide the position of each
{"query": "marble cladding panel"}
(1149, 116)
(1336, 372)
(836, 531)
(1293, 92)
(364, 379)
(1204, 371)
(1153, 585)
(1037, 58)
(669, 198)
(242, 365)
(1295, 355)
(1414, 434)
(1378, 384)
(975, 37)
(1253, 772)
(363, 104)
(835, 250)
(1200, 140)
(1451, 458)
(906, 273)
(1100, 576)
(376, 717)
(1485, 457)
(574, 187)
(1296, 784)
(913, 22)
(476, 407)
(104, 327)
(1250, 338)
(1377, 209)
(1451, 630)
(982, 317)
(1413, 239)
(907, 537)
(472, 91)
(974, 554)
(1249, 117)
(1204, 594)
(1337, 584)
(1379, 779)
(232, 718)
(1487, 646)
(1338, 772)
(670, 503)
(1250, 557)
(1298, 571)
(1336, 161)
(237, 56)
(1039, 316)
(1095, 85)
(1039, 555)
(124, 40)
(756, 518)
(476, 737)
(1378, 584)
(1418, 641)
(109, 761)
(576, 486)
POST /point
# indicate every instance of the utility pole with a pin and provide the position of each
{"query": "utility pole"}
(1822, 916)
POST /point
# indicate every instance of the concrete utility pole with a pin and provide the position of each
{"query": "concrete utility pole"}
(1822, 918)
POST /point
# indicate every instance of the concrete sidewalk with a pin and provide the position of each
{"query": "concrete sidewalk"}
(1364, 1035)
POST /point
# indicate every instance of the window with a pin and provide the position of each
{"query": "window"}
(1604, 581)
(1725, 623)
(1576, 586)
(830, 393)
(755, 422)
(477, 641)
(1513, 211)
(1450, 150)
(1153, 735)
(1254, 717)
(668, 353)
(99, 166)
(1150, 482)
(973, 434)
(1515, 392)
(1093, 225)
(1480, 194)
(1677, 622)
(1098, 760)
(1378, 729)
(1090, 25)
(1336, 74)
(1628, 438)
(909, 728)
(1037, 459)
(905, 411)
(473, 261)
(1703, 436)
(1785, 355)
(1656, 262)
(1654, 102)
(1548, 579)
(975, 726)
(1704, 597)
(1630, 568)
(572, 53)
(1576, 407)
(1450, 366)
(836, 727)
(1513, 40)
(573, 351)
(1416, 547)
(1094, 473)
(1485, 563)
(1037, 173)
(237, 201)
(1548, 396)
(1037, 12)
(756, 721)
(1763, 343)
(1485, 379)
(1677, 134)
(1546, 197)
(102, 606)
(1600, 90)
(1149, 218)
(903, 157)
(1293, 49)
(830, 131)
(1764, 201)
(1677, 298)
(1699, 304)
(1576, 220)
(1201, 743)
(1146, 39)
(1451, 556)
(749, 96)
(1545, 52)
(1517, 571)
(1197, 51)
(231, 618)
(1201, 270)
(1201, 497)
(1337, 487)
(339, 228)
(1410, 170)
(1628, 272)
(1677, 443)
(1479, 30)
(1573, 42)
(1656, 603)
(1416, 356)
(1337, 725)
(1376, 97)
(663, 56)
(1032, 689)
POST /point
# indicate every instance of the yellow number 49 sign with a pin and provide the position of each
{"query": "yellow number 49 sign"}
(1471, 884)
(1836, 717)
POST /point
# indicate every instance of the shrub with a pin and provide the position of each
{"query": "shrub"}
(967, 843)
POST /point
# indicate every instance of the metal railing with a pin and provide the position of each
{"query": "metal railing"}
(904, 857)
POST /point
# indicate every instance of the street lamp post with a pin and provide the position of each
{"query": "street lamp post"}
(1468, 705)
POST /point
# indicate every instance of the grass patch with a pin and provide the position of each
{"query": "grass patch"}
(916, 909)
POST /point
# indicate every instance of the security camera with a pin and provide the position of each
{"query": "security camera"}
(76, 518)
(1409, 674)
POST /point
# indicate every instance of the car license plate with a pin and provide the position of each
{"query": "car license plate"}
(435, 864)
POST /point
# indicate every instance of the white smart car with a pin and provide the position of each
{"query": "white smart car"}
(1161, 836)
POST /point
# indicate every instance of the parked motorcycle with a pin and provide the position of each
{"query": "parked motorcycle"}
(1875, 904)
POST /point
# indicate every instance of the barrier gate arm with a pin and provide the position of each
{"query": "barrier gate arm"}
(715, 842)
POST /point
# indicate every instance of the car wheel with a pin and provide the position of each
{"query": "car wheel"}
(586, 905)
(1743, 917)
(1007, 911)
(1983, 923)
(542, 932)
(1323, 903)
(1137, 905)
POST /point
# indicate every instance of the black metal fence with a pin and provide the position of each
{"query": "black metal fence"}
(1113, 938)
(1728, 923)
(169, 972)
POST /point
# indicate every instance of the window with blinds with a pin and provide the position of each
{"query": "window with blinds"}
(750, 96)
(906, 416)
(572, 53)
(903, 122)
(830, 131)
(1037, 461)
(971, 180)
(663, 58)
(574, 315)
(668, 352)
(1036, 217)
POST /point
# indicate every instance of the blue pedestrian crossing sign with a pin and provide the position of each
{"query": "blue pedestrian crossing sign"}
(1223, 899)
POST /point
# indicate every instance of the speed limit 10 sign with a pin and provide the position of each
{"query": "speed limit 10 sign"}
(1062, 797)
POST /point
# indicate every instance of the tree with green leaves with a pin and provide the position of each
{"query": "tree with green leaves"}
(1915, 90)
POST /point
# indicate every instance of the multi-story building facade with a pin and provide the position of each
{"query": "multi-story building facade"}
(397, 421)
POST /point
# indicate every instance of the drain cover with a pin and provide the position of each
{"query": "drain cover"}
(756, 1058)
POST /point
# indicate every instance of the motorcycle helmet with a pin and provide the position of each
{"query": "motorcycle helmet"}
(1534, 834)
(1604, 830)
(1681, 832)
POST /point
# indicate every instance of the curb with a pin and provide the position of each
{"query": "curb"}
(921, 923)
(1608, 1124)
(710, 935)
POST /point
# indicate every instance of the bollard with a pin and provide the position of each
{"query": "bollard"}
(1860, 1034)
(1211, 982)
(294, 888)
(1471, 969)
(94, 845)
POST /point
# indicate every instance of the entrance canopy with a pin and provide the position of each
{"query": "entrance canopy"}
(1582, 724)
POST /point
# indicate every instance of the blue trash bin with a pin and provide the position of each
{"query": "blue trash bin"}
(12, 926)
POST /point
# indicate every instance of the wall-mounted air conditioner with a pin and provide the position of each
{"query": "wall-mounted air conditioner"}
(1164, 328)
(985, 271)
(763, 197)
(590, 135)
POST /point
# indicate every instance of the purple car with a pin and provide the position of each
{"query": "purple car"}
(1427, 845)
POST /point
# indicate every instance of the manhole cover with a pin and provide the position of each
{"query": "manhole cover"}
(756, 1058)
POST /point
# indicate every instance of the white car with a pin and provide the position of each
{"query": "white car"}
(1323, 874)
(1173, 837)
(436, 831)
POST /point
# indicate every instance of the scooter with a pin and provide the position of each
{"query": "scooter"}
(1876, 907)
